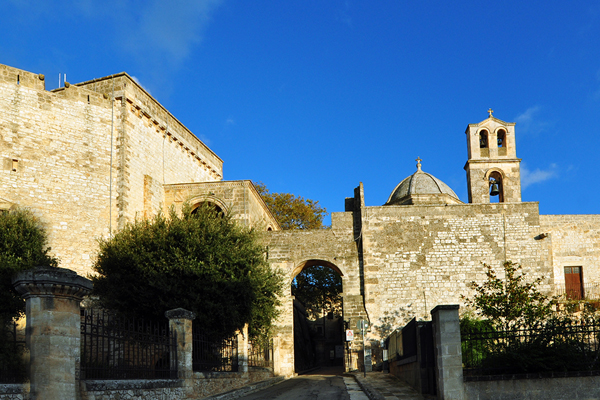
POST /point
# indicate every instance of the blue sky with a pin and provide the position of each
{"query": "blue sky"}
(313, 97)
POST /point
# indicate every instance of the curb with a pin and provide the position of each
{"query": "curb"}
(236, 393)
(369, 390)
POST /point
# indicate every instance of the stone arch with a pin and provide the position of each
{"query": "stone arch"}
(316, 337)
(314, 261)
(484, 137)
(496, 175)
(219, 204)
(501, 136)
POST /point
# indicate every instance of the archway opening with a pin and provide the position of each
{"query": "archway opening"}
(496, 187)
(318, 316)
(210, 205)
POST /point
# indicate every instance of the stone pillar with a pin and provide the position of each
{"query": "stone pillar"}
(242, 349)
(53, 297)
(448, 354)
(180, 322)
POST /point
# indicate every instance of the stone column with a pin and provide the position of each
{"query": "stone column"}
(180, 322)
(53, 297)
(448, 354)
(242, 349)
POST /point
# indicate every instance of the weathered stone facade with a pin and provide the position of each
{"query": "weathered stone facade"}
(90, 157)
(424, 246)
(86, 165)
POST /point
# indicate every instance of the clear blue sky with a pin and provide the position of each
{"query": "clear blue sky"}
(313, 97)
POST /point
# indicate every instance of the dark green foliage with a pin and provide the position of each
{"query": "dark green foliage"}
(318, 288)
(22, 246)
(520, 332)
(292, 212)
(202, 262)
(512, 301)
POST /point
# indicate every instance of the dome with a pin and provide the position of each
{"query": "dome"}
(422, 188)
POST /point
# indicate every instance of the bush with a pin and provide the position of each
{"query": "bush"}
(200, 261)
(22, 246)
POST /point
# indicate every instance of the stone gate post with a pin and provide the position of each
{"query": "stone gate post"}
(53, 297)
(242, 350)
(448, 354)
(180, 322)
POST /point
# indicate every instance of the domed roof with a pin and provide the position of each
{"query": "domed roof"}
(422, 188)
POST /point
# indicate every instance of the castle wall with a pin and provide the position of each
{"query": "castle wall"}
(417, 257)
(61, 147)
(289, 251)
(57, 153)
(574, 240)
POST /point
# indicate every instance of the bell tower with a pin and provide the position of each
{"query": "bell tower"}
(493, 169)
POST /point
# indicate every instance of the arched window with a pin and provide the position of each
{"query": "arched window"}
(501, 138)
(496, 187)
(483, 139)
(501, 142)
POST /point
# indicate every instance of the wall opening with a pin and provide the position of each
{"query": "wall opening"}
(501, 142)
(209, 204)
(484, 143)
(496, 187)
(318, 316)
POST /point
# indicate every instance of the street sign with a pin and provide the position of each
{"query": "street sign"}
(349, 335)
(362, 324)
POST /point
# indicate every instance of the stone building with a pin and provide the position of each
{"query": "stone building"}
(86, 165)
(90, 157)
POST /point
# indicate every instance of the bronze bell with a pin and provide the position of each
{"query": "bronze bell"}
(495, 191)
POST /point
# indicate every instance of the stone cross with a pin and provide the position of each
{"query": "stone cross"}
(490, 111)
(418, 160)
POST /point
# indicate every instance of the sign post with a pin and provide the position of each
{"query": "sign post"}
(363, 325)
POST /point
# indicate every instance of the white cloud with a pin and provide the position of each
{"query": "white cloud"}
(139, 83)
(529, 177)
(229, 121)
(169, 28)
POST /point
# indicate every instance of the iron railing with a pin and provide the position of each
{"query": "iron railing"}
(587, 291)
(12, 347)
(260, 353)
(555, 348)
(119, 348)
(213, 355)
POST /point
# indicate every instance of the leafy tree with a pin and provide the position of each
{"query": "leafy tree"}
(293, 212)
(512, 301)
(22, 246)
(319, 289)
(203, 262)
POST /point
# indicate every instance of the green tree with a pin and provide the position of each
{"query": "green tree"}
(203, 262)
(22, 246)
(319, 289)
(292, 212)
(512, 301)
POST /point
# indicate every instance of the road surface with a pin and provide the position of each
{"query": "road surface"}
(318, 386)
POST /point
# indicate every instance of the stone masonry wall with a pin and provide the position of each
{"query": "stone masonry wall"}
(417, 257)
(55, 151)
(573, 240)
(290, 251)
(239, 198)
(56, 161)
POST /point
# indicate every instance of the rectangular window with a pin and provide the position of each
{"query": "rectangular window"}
(574, 283)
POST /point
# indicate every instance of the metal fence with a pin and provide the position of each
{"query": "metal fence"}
(260, 353)
(213, 355)
(557, 347)
(119, 348)
(12, 366)
(586, 291)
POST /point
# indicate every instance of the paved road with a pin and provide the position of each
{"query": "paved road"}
(311, 387)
